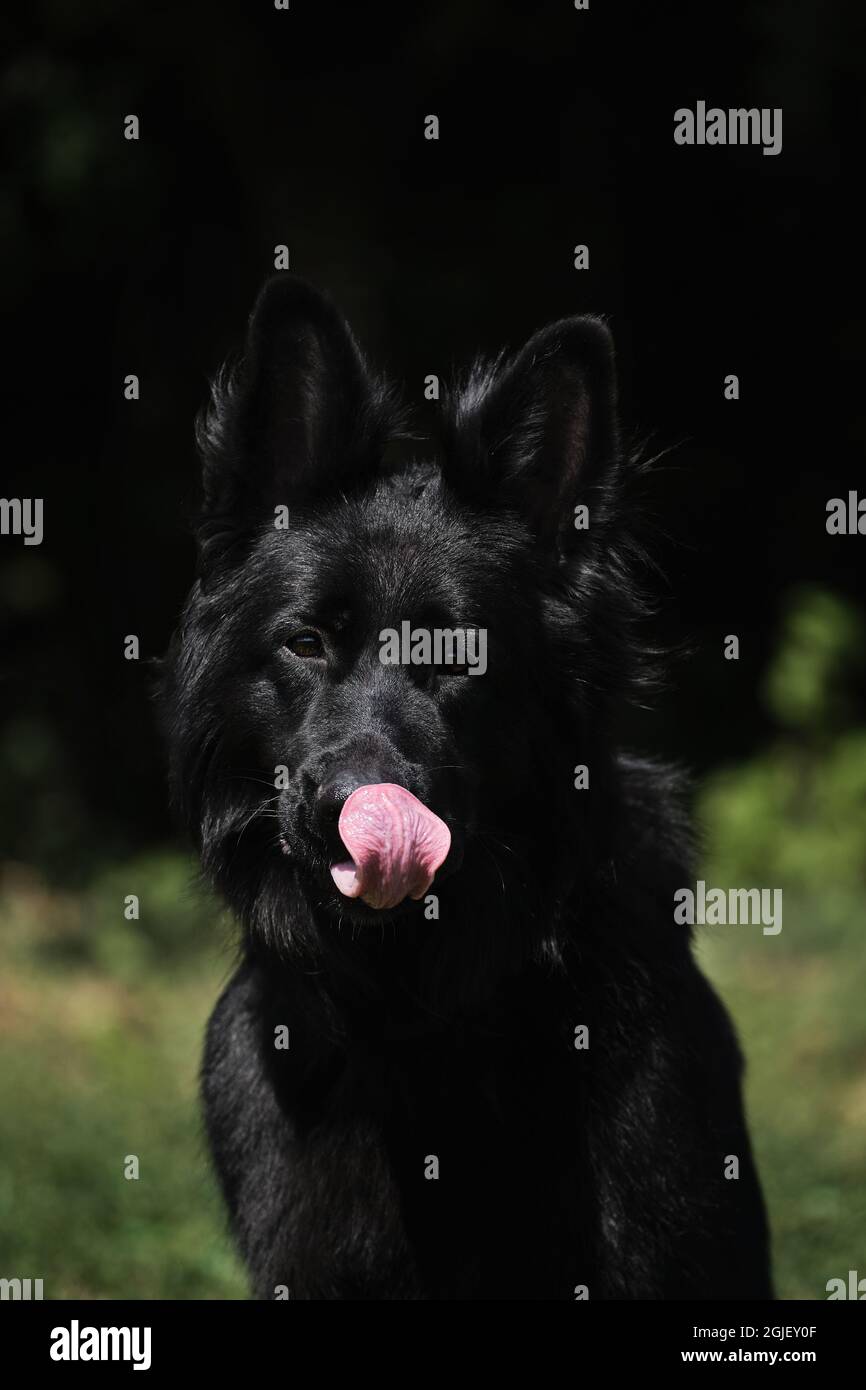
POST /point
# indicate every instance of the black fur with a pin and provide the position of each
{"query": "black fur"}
(411, 1038)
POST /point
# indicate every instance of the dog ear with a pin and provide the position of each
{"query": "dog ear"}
(298, 415)
(538, 431)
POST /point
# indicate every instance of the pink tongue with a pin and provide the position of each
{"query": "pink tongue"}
(396, 844)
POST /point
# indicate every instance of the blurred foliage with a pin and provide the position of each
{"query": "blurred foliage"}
(795, 815)
(794, 818)
(101, 1019)
(808, 687)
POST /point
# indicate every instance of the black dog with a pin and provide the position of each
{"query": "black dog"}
(467, 1053)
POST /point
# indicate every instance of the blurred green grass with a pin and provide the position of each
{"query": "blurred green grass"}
(101, 1021)
(797, 1001)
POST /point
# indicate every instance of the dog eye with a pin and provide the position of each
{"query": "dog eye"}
(306, 644)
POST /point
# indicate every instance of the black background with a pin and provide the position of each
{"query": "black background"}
(261, 127)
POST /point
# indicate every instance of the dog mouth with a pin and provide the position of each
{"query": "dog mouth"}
(395, 846)
(387, 849)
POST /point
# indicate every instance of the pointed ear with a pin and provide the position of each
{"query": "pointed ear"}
(298, 415)
(538, 431)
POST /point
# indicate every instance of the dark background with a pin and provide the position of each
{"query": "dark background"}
(260, 127)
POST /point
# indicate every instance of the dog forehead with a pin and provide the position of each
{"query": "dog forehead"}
(404, 553)
(395, 551)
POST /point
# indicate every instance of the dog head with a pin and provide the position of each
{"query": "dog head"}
(389, 667)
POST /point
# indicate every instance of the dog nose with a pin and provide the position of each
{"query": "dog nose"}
(330, 798)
